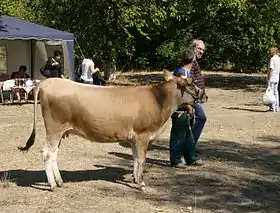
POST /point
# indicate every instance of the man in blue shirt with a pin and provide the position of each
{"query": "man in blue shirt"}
(182, 142)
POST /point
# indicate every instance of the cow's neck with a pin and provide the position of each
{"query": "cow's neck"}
(167, 98)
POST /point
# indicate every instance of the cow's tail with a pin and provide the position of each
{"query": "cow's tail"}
(31, 139)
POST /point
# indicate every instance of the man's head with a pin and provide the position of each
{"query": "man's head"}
(198, 48)
(188, 57)
(273, 51)
(22, 68)
(57, 54)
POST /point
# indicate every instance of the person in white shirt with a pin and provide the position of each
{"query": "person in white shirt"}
(273, 76)
(87, 71)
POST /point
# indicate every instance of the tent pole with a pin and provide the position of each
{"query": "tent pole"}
(32, 59)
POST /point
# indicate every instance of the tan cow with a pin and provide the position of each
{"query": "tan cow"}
(107, 114)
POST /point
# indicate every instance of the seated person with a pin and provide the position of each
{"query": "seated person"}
(21, 73)
(98, 79)
(52, 68)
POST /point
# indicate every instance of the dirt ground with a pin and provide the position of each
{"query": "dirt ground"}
(240, 148)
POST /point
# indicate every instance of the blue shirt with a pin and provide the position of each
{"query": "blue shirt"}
(182, 69)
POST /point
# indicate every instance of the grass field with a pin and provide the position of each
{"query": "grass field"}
(240, 148)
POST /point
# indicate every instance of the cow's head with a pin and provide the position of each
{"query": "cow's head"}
(188, 92)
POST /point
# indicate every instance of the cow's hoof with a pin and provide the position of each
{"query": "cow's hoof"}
(60, 183)
(65, 135)
(52, 188)
(143, 189)
(134, 181)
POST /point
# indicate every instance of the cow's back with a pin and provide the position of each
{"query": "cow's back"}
(105, 113)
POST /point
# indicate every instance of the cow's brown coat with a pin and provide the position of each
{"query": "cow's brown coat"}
(107, 114)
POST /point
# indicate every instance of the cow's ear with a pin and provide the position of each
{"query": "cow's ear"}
(168, 76)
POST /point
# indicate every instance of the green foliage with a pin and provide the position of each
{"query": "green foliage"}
(152, 34)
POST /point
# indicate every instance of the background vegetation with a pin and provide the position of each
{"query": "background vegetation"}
(149, 34)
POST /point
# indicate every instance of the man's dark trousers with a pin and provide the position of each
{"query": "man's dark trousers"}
(200, 120)
(182, 142)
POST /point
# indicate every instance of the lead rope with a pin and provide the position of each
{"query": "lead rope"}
(193, 123)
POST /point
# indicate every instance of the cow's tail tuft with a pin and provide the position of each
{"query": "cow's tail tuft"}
(31, 139)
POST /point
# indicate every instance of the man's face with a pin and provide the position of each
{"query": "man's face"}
(21, 70)
(272, 51)
(199, 49)
(57, 58)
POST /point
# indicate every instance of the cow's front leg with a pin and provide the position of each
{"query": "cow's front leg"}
(135, 163)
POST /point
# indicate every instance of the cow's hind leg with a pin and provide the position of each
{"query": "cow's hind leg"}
(56, 172)
(49, 154)
(135, 163)
(47, 158)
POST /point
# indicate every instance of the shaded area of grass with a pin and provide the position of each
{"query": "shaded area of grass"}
(30, 178)
(236, 178)
(226, 82)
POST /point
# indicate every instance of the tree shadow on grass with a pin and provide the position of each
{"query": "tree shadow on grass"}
(249, 156)
(245, 109)
(158, 162)
(33, 178)
(155, 145)
(269, 138)
(234, 81)
(226, 82)
(146, 79)
(236, 178)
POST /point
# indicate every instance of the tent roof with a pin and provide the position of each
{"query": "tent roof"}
(13, 28)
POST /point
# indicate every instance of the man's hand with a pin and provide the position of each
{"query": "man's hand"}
(190, 110)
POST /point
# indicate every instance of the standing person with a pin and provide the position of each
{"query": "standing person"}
(182, 142)
(52, 68)
(90, 74)
(198, 48)
(273, 76)
(279, 92)
(87, 71)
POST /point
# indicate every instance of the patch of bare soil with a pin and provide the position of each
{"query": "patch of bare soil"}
(240, 148)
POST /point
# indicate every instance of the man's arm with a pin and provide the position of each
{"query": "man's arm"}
(48, 65)
(268, 74)
(270, 68)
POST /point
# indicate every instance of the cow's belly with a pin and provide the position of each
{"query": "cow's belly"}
(114, 131)
(104, 131)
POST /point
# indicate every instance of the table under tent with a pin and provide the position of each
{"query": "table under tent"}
(30, 44)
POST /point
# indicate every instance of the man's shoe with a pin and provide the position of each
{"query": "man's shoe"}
(196, 163)
(198, 151)
(179, 165)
